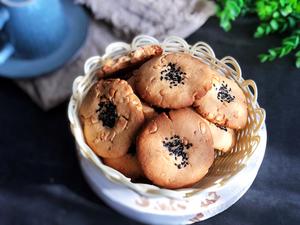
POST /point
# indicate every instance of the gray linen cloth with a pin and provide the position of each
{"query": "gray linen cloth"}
(118, 20)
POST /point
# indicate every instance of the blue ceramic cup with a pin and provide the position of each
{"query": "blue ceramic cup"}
(31, 28)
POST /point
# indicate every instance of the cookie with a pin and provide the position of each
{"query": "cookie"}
(224, 138)
(173, 80)
(137, 56)
(148, 111)
(131, 81)
(224, 104)
(127, 164)
(175, 150)
(111, 115)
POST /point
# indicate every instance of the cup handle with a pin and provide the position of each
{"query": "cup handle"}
(7, 49)
(4, 17)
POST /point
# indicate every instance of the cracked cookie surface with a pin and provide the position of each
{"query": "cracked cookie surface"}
(175, 150)
(224, 104)
(173, 80)
(137, 56)
(111, 115)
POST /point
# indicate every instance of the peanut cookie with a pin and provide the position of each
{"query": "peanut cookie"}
(175, 150)
(148, 111)
(224, 138)
(111, 115)
(224, 104)
(173, 81)
(137, 56)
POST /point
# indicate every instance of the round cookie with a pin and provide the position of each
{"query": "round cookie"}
(131, 81)
(175, 150)
(111, 115)
(148, 111)
(127, 164)
(173, 81)
(134, 57)
(224, 138)
(224, 104)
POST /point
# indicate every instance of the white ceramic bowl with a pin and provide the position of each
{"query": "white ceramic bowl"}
(221, 188)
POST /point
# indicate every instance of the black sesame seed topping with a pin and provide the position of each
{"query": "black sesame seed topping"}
(224, 93)
(177, 148)
(221, 127)
(173, 75)
(107, 113)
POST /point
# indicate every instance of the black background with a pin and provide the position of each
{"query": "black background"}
(40, 179)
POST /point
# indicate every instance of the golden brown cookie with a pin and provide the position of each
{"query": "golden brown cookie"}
(224, 138)
(175, 150)
(111, 115)
(131, 81)
(148, 111)
(173, 81)
(224, 104)
(127, 164)
(137, 56)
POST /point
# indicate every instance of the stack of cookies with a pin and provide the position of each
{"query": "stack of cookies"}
(161, 116)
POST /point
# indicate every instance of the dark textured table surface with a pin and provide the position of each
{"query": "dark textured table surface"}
(40, 179)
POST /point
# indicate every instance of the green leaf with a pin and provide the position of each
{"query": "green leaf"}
(272, 53)
(268, 11)
(240, 2)
(297, 40)
(297, 8)
(289, 43)
(291, 21)
(276, 15)
(274, 24)
(292, 41)
(263, 57)
(268, 30)
(298, 62)
(226, 25)
(228, 11)
(234, 9)
(297, 59)
(282, 2)
(273, 6)
(259, 32)
(283, 52)
(286, 11)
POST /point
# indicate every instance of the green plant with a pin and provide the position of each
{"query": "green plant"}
(276, 16)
